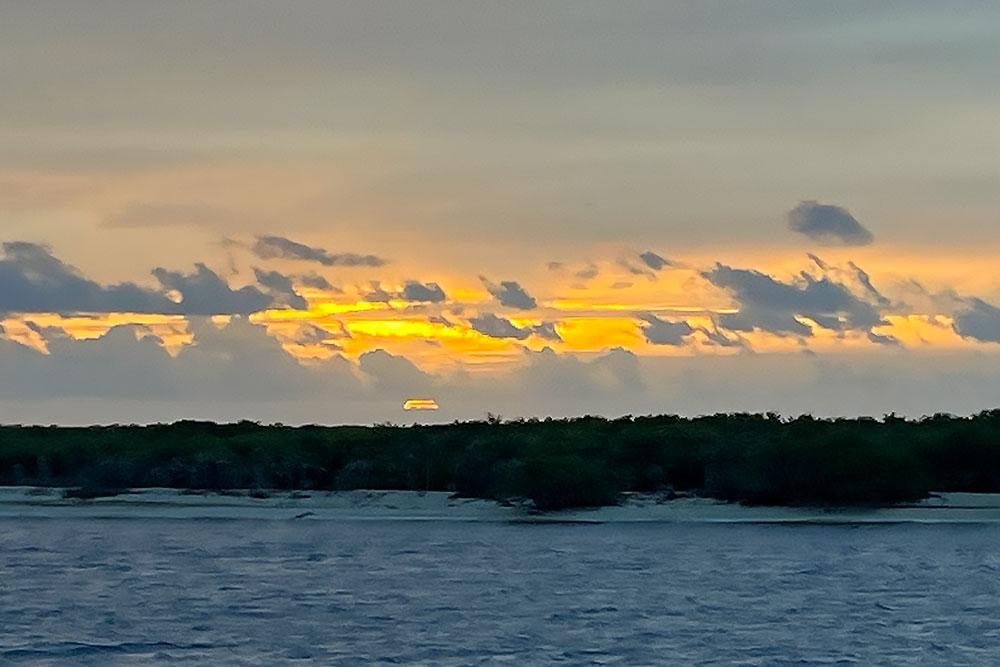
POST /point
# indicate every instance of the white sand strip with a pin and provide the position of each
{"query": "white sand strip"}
(28, 502)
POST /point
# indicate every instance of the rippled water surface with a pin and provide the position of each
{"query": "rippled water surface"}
(91, 591)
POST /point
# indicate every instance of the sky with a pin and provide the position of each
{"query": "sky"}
(313, 212)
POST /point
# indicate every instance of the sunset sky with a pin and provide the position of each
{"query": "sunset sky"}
(313, 211)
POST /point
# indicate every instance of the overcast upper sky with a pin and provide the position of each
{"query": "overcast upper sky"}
(313, 211)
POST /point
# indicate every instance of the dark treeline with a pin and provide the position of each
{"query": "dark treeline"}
(555, 463)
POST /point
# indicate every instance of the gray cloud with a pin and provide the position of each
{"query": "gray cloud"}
(884, 339)
(205, 293)
(230, 359)
(394, 374)
(646, 263)
(716, 336)
(281, 288)
(377, 293)
(566, 380)
(828, 224)
(237, 362)
(979, 320)
(855, 273)
(33, 280)
(412, 291)
(416, 291)
(116, 365)
(654, 261)
(278, 247)
(238, 374)
(546, 330)
(306, 333)
(770, 305)
(316, 281)
(866, 282)
(509, 293)
(665, 332)
(643, 270)
(489, 324)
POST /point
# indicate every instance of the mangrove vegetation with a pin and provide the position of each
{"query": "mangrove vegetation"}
(556, 463)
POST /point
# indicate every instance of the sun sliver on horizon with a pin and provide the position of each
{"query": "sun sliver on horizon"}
(420, 404)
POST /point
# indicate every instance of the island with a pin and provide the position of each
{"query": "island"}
(550, 464)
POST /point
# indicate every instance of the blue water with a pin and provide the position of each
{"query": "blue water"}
(90, 591)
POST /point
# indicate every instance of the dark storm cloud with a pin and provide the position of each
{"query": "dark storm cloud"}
(828, 224)
(417, 291)
(281, 288)
(509, 293)
(278, 247)
(771, 305)
(979, 320)
(664, 332)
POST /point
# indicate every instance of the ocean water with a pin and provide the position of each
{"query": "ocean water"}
(151, 591)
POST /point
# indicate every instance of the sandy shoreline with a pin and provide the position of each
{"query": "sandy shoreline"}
(29, 502)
